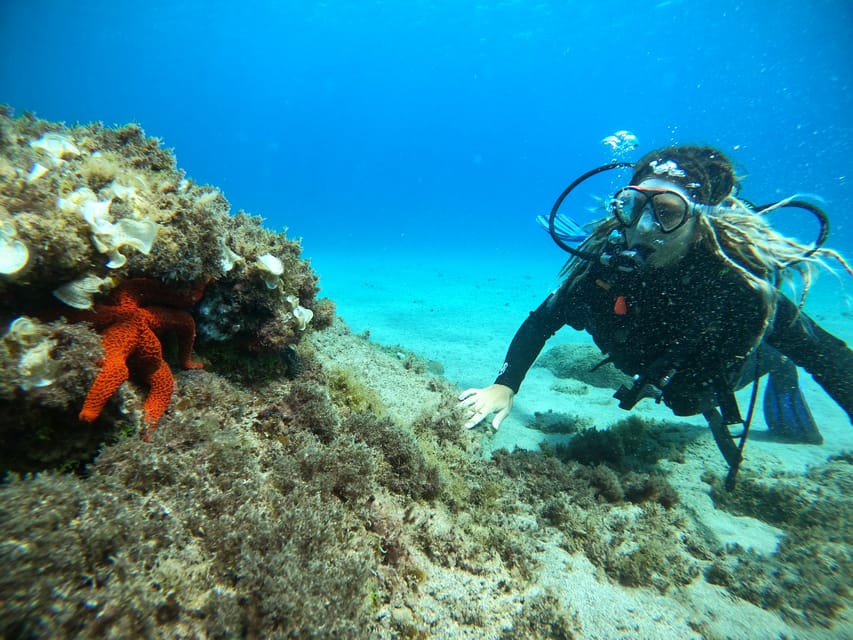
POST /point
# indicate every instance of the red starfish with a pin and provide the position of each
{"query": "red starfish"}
(129, 328)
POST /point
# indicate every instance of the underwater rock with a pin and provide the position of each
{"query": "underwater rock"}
(86, 209)
(557, 422)
(582, 362)
(809, 577)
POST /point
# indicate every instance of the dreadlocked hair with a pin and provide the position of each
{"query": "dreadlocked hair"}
(704, 172)
(766, 259)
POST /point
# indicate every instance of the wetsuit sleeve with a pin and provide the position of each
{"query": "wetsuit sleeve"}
(827, 358)
(529, 340)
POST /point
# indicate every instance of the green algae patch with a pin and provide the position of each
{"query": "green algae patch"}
(808, 578)
(353, 396)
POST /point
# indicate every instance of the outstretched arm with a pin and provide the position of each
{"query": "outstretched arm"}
(827, 358)
(525, 347)
(528, 342)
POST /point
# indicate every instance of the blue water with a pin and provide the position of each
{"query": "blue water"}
(444, 126)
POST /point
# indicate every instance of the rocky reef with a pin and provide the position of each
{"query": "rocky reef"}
(194, 446)
(99, 232)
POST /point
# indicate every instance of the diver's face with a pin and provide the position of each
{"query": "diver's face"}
(645, 232)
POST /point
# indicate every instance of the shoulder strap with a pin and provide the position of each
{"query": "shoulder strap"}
(728, 414)
(726, 444)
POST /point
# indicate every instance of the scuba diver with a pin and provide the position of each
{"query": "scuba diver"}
(680, 287)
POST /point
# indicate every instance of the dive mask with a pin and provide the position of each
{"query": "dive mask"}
(669, 208)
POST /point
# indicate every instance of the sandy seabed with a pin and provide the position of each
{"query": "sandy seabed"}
(461, 313)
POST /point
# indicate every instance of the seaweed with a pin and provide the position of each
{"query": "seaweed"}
(556, 422)
(632, 444)
(808, 578)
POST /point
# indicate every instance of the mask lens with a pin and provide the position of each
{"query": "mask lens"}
(670, 210)
(628, 206)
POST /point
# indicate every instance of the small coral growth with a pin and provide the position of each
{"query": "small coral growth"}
(351, 395)
(543, 618)
(34, 424)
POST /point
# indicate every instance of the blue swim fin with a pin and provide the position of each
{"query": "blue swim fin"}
(785, 410)
(565, 227)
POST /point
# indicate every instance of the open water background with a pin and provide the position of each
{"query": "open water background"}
(444, 126)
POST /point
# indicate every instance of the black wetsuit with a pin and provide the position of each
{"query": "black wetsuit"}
(687, 329)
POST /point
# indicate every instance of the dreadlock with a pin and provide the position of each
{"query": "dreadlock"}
(705, 173)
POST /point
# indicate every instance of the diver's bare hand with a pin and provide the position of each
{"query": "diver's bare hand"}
(482, 402)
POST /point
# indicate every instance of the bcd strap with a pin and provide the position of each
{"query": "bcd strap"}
(728, 414)
(726, 444)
